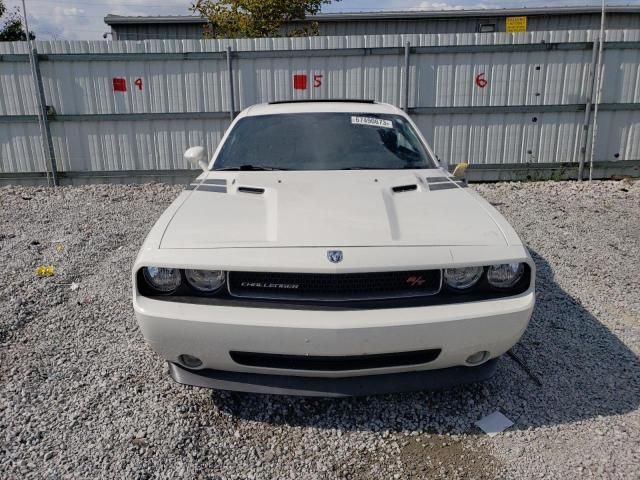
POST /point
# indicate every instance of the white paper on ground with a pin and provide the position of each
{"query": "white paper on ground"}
(494, 424)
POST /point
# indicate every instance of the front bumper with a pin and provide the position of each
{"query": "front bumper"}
(333, 387)
(210, 332)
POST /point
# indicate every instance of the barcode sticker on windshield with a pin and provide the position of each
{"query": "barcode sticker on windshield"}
(372, 122)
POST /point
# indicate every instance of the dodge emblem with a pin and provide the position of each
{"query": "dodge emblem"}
(334, 256)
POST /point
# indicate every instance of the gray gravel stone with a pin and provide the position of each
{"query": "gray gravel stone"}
(82, 396)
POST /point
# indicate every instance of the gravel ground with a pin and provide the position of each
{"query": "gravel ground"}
(81, 396)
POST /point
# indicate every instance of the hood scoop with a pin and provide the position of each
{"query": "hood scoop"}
(404, 188)
(251, 190)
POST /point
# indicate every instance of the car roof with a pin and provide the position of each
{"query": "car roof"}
(321, 107)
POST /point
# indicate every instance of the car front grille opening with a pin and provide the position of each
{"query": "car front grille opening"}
(334, 363)
(335, 287)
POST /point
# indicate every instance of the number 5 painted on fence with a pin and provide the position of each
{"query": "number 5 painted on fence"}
(317, 81)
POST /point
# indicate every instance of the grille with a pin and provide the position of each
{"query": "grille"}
(335, 364)
(334, 286)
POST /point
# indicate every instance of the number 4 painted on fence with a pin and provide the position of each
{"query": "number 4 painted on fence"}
(120, 84)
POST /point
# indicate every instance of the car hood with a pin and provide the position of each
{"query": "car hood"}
(331, 208)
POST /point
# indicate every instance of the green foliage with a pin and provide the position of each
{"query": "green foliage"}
(256, 18)
(11, 25)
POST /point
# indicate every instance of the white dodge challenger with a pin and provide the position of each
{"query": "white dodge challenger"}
(324, 251)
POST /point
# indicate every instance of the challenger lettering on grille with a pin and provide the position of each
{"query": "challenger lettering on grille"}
(287, 286)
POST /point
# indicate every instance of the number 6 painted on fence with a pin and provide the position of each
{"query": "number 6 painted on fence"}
(481, 81)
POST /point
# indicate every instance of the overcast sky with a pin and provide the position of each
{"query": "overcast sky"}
(83, 19)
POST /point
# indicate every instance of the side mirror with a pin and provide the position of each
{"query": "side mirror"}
(197, 156)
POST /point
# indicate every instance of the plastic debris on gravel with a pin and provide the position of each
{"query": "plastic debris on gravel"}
(494, 423)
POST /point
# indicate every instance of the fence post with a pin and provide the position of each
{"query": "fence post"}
(232, 106)
(407, 51)
(587, 114)
(598, 91)
(43, 120)
(47, 141)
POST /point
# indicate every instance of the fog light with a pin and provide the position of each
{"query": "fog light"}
(190, 361)
(477, 357)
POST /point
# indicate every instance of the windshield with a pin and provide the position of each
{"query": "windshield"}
(323, 141)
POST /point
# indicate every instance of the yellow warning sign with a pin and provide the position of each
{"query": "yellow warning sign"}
(516, 24)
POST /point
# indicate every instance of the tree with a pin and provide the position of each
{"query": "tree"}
(11, 25)
(256, 18)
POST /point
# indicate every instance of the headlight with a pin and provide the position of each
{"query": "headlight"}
(505, 275)
(164, 280)
(462, 278)
(206, 281)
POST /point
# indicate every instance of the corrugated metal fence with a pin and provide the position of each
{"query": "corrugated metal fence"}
(498, 100)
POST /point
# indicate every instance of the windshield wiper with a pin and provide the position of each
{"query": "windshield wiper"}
(248, 168)
(404, 167)
(366, 168)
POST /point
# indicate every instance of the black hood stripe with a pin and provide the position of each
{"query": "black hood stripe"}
(211, 185)
(438, 179)
(207, 188)
(215, 181)
(446, 186)
(212, 188)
